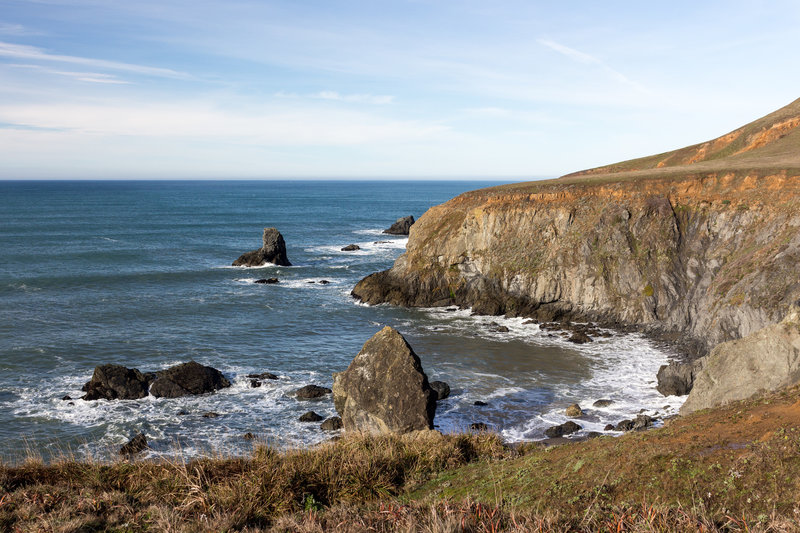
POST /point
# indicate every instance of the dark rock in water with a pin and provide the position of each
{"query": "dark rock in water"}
(381, 242)
(254, 383)
(677, 379)
(115, 382)
(351, 248)
(183, 413)
(593, 435)
(332, 424)
(580, 338)
(637, 424)
(135, 445)
(401, 226)
(310, 392)
(310, 416)
(263, 375)
(384, 390)
(71, 403)
(494, 326)
(609, 427)
(602, 403)
(248, 436)
(211, 414)
(267, 281)
(478, 426)
(441, 389)
(324, 282)
(187, 378)
(480, 403)
(567, 428)
(67, 397)
(272, 251)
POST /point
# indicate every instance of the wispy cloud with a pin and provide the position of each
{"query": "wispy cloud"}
(89, 77)
(374, 99)
(32, 53)
(17, 30)
(588, 59)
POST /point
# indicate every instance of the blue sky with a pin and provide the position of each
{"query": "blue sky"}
(372, 89)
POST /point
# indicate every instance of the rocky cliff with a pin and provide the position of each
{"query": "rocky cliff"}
(706, 251)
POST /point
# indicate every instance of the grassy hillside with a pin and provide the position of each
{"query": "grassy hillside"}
(730, 469)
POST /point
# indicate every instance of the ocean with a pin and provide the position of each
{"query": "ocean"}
(138, 274)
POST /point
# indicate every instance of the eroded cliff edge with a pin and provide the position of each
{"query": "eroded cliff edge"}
(708, 257)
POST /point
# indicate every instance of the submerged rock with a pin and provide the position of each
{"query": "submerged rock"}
(384, 390)
(262, 375)
(401, 226)
(602, 403)
(116, 382)
(273, 250)
(267, 281)
(135, 445)
(187, 379)
(351, 248)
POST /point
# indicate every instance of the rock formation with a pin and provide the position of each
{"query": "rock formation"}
(115, 382)
(272, 251)
(441, 389)
(766, 360)
(311, 392)
(384, 390)
(187, 378)
(401, 226)
(676, 379)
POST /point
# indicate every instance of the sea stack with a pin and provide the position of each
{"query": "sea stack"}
(272, 251)
(384, 390)
(401, 226)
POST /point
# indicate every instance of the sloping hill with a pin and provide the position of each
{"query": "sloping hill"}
(770, 142)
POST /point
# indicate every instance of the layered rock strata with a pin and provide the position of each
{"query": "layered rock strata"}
(710, 256)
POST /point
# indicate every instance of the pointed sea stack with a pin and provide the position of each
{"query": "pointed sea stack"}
(272, 251)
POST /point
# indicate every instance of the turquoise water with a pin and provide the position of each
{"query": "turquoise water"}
(137, 273)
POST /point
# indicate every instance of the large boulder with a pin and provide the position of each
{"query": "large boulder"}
(272, 251)
(187, 378)
(401, 226)
(766, 360)
(384, 390)
(677, 379)
(115, 382)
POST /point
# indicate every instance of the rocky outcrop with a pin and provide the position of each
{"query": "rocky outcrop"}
(676, 379)
(401, 226)
(115, 382)
(135, 445)
(187, 378)
(384, 390)
(441, 389)
(766, 360)
(311, 392)
(708, 257)
(273, 250)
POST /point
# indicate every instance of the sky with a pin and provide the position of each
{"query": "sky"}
(418, 89)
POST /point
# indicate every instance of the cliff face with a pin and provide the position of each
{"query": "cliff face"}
(712, 256)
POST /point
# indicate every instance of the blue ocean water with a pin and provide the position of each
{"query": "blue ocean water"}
(138, 273)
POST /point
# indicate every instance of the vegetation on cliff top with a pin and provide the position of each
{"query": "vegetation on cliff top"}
(729, 469)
